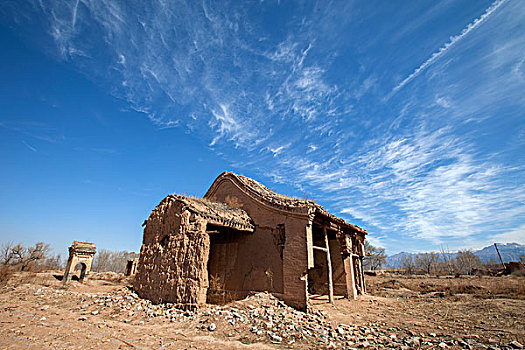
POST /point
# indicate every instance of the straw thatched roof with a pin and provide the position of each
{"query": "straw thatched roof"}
(220, 214)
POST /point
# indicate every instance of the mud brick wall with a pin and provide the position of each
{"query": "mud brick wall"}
(261, 252)
(287, 245)
(296, 263)
(174, 255)
(246, 262)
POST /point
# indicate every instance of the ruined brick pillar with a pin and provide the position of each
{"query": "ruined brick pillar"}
(79, 253)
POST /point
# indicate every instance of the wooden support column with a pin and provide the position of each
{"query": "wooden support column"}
(363, 286)
(329, 268)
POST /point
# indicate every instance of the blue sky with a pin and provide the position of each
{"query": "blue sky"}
(406, 118)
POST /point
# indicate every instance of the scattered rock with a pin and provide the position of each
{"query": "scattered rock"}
(364, 344)
(263, 318)
(275, 338)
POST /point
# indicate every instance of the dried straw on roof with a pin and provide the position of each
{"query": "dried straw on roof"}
(220, 214)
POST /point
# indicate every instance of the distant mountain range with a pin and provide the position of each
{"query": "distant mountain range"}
(508, 251)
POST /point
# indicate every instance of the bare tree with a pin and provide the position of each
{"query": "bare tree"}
(6, 253)
(107, 260)
(102, 260)
(374, 257)
(22, 257)
(53, 262)
(19, 253)
(427, 261)
(34, 255)
(466, 262)
(407, 264)
(448, 264)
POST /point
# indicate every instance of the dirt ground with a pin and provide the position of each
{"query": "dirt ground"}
(36, 312)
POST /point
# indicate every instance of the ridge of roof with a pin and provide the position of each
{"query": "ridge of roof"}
(282, 201)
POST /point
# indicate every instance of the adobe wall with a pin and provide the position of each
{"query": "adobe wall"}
(174, 255)
(278, 247)
(244, 262)
(296, 263)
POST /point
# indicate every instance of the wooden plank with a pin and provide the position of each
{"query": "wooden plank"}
(309, 244)
(329, 268)
(320, 248)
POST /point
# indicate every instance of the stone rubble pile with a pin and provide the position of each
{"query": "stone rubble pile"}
(263, 318)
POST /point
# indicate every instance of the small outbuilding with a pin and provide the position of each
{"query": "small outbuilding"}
(131, 267)
(241, 238)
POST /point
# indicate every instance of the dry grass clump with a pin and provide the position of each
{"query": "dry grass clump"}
(512, 287)
(30, 277)
(107, 276)
(5, 275)
(519, 273)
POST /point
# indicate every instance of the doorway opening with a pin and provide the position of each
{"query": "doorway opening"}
(318, 275)
(82, 268)
(223, 265)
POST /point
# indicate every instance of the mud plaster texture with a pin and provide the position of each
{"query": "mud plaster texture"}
(173, 260)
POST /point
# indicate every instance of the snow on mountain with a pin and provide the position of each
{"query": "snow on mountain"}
(508, 251)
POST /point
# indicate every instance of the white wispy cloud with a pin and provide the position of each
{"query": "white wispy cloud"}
(278, 150)
(74, 16)
(225, 124)
(443, 102)
(38, 130)
(453, 41)
(516, 235)
(29, 146)
(290, 108)
(365, 86)
(312, 148)
(438, 190)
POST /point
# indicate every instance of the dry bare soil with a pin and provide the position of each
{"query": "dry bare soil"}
(36, 312)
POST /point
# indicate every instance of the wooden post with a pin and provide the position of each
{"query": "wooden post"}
(500, 259)
(329, 268)
(362, 273)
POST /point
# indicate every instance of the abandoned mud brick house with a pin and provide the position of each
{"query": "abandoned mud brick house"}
(242, 237)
